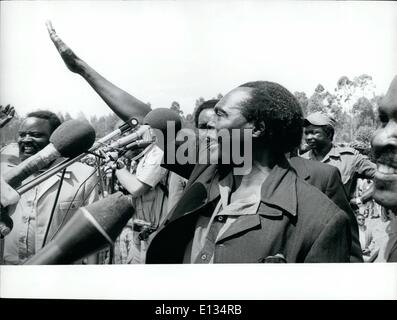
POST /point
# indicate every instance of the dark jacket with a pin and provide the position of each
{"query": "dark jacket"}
(327, 179)
(294, 220)
(324, 177)
(393, 254)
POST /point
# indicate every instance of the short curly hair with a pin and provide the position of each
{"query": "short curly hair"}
(279, 110)
(51, 117)
(209, 104)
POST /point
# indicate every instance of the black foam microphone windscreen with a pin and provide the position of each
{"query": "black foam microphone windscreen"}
(90, 229)
(70, 139)
(73, 137)
(158, 118)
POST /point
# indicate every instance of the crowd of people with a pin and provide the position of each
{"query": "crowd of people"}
(319, 203)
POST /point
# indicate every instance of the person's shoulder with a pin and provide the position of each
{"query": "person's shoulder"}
(346, 150)
(306, 167)
(9, 154)
(314, 205)
(81, 170)
(312, 165)
(155, 151)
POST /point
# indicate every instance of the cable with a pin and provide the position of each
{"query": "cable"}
(71, 202)
(53, 207)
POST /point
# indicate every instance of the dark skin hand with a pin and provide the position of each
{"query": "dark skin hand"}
(120, 101)
(73, 62)
(6, 114)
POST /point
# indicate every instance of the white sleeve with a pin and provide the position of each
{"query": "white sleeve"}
(149, 170)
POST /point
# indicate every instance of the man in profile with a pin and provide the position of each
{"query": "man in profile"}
(265, 215)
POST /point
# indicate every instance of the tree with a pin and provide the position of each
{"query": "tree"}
(364, 134)
(319, 100)
(81, 116)
(363, 113)
(357, 98)
(176, 107)
(60, 116)
(303, 100)
(199, 101)
(188, 122)
(67, 116)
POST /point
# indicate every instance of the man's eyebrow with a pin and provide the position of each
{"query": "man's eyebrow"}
(217, 108)
(28, 131)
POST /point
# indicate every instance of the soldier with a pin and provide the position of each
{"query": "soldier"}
(319, 129)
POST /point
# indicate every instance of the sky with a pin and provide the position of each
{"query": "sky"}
(164, 51)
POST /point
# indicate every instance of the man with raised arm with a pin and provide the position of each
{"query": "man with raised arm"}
(121, 102)
(267, 214)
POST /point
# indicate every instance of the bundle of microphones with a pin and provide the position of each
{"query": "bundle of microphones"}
(98, 224)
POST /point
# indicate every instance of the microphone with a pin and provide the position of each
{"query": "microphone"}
(126, 126)
(158, 118)
(129, 139)
(131, 123)
(70, 139)
(139, 144)
(155, 119)
(89, 230)
(8, 195)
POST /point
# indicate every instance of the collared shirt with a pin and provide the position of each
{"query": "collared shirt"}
(32, 212)
(232, 204)
(351, 165)
(152, 205)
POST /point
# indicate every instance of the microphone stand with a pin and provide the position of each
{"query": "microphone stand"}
(111, 191)
(67, 162)
(54, 207)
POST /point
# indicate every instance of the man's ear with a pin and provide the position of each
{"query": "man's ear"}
(258, 130)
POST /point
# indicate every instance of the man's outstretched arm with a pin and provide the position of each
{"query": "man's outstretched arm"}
(121, 102)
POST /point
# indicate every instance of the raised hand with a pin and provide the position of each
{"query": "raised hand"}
(121, 102)
(6, 114)
(72, 61)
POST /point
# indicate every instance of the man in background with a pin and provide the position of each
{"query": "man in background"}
(319, 130)
(31, 215)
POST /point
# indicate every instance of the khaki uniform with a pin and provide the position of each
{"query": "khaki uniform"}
(32, 212)
(351, 164)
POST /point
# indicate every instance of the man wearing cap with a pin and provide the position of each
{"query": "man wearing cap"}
(319, 131)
